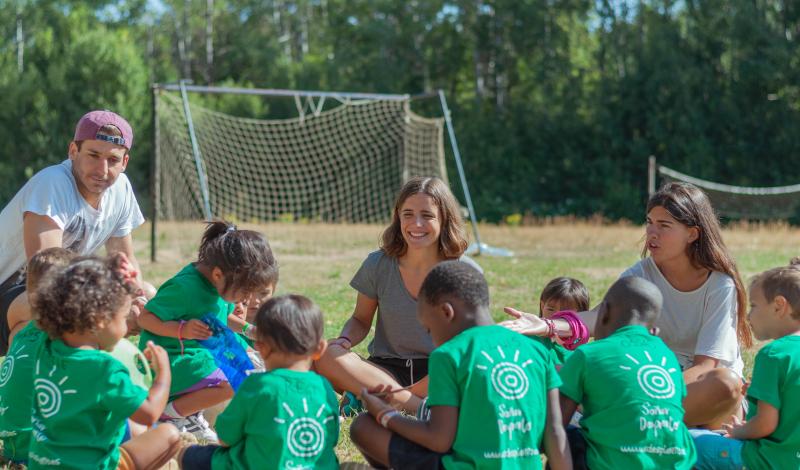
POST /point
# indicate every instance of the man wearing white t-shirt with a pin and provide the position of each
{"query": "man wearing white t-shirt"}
(81, 204)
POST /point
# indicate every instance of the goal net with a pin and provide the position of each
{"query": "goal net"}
(743, 202)
(343, 164)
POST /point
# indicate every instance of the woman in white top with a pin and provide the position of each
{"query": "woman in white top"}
(703, 319)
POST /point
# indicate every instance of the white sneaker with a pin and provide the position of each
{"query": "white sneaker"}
(197, 425)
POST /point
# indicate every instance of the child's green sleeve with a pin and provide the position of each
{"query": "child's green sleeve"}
(572, 376)
(231, 422)
(443, 386)
(767, 372)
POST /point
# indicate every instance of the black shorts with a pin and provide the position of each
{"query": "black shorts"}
(9, 290)
(408, 455)
(198, 457)
(405, 371)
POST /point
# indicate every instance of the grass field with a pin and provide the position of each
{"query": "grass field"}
(319, 260)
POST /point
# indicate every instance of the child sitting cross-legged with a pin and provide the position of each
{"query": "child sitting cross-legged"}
(631, 388)
(286, 417)
(770, 438)
(231, 265)
(16, 377)
(493, 393)
(84, 396)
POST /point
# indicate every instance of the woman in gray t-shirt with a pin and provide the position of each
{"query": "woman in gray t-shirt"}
(426, 229)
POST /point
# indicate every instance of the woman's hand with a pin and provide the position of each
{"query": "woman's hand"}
(527, 324)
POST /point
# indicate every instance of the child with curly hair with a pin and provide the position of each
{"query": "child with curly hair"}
(84, 396)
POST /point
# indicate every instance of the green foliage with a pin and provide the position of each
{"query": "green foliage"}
(557, 105)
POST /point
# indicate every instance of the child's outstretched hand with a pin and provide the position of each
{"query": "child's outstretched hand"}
(196, 329)
(373, 401)
(527, 324)
(730, 428)
(159, 360)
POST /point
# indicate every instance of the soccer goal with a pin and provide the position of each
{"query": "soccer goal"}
(341, 158)
(738, 202)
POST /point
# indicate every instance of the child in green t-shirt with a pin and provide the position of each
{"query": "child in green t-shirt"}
(84, 396)
(559, 295)
(631, 388)
(493, 392)
(16, 374)
(287, 417)
(231, 265)
(770, 438)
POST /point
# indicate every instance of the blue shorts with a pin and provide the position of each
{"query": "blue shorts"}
(715, 452)
(198, 457)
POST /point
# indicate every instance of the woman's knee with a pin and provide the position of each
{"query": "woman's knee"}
(722, 384)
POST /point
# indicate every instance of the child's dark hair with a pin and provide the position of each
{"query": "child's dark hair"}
(455, 279)
(292, 323)
(44, 261)
(566, 289)
(78, 297)
(784, 281)
(244, 256)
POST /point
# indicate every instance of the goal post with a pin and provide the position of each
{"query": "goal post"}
(342, 158)
(739, 202)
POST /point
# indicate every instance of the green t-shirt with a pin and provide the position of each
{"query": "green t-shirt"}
(776, 380)
(558, 353)
(187, 296)
(16, 392)
(83, 399)
(499, 380)
(631, 388)
(280, 419)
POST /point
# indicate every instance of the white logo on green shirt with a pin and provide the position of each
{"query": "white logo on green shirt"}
(48, 394)
(8, 366)
(654, 380)
(509, 380)
(306, 436)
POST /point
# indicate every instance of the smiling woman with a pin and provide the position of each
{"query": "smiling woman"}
(426, 229)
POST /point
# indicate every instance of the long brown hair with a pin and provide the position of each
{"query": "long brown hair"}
(691, 207)
(452, 238)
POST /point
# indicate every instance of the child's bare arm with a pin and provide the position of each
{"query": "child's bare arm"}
(437, 434)
(759, 426)
(555, 439)
(568, 407)
(150, 410)
(192, 329)
(238, 324)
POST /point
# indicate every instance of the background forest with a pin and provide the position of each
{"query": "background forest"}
(557, 103)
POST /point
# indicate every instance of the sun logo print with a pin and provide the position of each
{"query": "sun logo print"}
(305, 436)
(48, 394)
(654, 379)
(8, 366)
(509, 379)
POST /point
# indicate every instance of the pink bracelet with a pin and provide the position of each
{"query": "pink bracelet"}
(579, 332)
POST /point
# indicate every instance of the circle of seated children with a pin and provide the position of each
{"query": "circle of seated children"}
(703, 319)
(426, 229)
(495, 396)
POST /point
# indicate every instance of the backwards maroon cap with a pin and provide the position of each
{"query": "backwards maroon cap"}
(91, 123)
